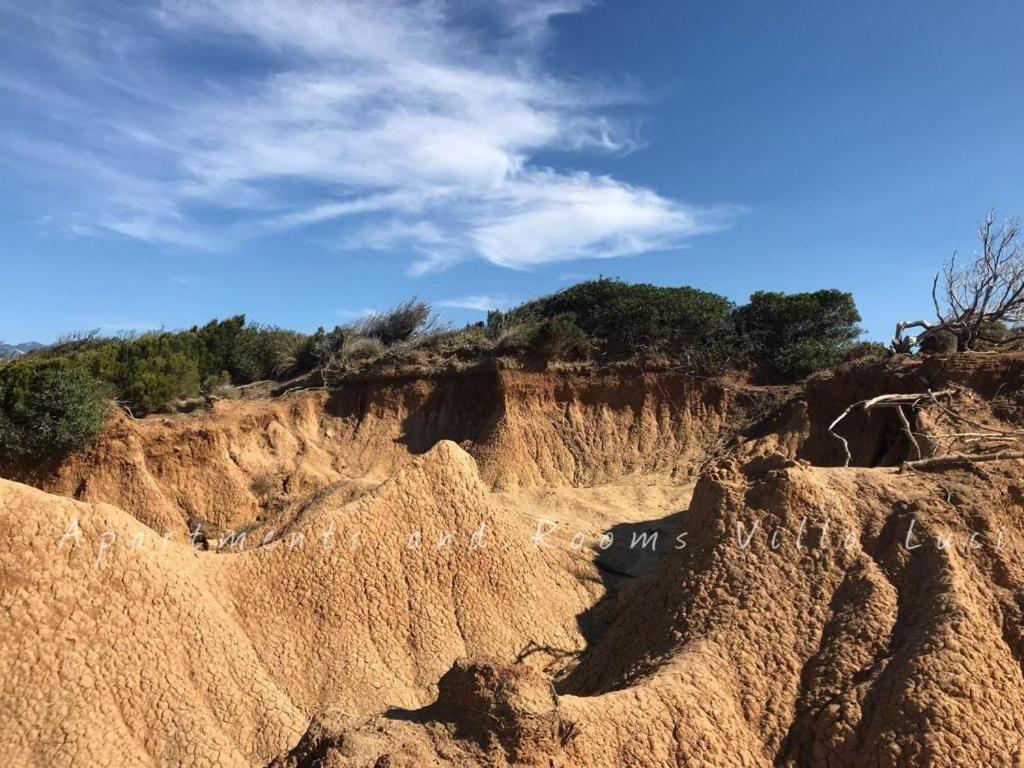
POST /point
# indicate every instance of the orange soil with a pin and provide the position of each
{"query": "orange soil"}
(507, 568)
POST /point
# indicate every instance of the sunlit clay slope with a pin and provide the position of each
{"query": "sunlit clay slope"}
(123, 648)
(508, 569)
(859, 648)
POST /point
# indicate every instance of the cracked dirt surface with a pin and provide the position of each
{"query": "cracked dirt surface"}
(389, 604)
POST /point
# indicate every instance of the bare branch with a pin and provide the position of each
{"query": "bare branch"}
(987, 443)
(882, 401)
(971, 298)
(907, 430)
(840, 438)
(959, 460)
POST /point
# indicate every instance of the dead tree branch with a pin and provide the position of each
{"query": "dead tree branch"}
(980, 301)
(886, 401)
(959, 460)
(908, 431)
(988, 443)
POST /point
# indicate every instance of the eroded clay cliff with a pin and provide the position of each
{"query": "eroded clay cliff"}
(507, 568)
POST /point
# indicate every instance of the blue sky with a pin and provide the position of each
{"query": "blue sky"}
(162, 163)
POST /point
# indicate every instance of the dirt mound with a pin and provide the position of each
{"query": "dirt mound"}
(538, 596)
(486, 713)
(815, 617)
(841, 617)
(124, 648)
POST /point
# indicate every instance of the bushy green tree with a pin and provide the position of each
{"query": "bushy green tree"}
(218, 340)
(266, 352)
(49, 408)
(629, 318)
(799, 333)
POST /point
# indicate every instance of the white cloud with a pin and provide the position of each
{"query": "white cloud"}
(348, 315)
(476, 303)
(401, 124)
(551, 217)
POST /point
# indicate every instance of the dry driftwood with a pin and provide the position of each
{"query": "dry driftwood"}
(886, 401)
(921, 463)
(959, 460)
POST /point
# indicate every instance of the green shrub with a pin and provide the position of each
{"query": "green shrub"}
(322, 347)
(286, 354)
(267, 352)
(49, 408)
(249, 352)
(800, 333)
(557, 338)
(497, 323)
(219, 383)
(994, 332)
(151, 370)
(628, 318)
(218, 349)
(794, 335)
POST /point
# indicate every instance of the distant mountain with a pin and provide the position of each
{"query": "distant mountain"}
(14, 350)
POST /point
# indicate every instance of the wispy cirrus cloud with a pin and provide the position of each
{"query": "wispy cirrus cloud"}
(408, 125)
(476, 303)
